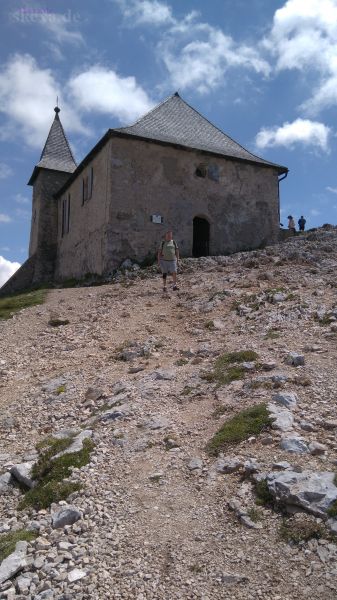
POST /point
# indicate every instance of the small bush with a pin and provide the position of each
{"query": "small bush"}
(301, 530)
(263, 495)
(227, 367)
(12, 304)
(332, 510)
(249, 422)
(48, 469)
(9, 540)
(43, 496)
(55, 322)
(254, 514)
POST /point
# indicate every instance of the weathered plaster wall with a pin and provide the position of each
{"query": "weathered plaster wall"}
(135, 179)
(82, 250)
(241, 207)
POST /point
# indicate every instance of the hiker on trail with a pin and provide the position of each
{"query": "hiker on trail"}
(291, 224)
(301, 223)
(168, 257)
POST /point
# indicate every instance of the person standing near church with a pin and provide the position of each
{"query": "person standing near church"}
(168, 258)
(291, 224)
(301, 223)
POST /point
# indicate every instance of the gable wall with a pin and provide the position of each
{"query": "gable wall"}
(135, 179)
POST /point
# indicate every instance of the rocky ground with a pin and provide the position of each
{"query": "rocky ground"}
(160, 518)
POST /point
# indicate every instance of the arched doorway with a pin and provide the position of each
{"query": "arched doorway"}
(200, 237)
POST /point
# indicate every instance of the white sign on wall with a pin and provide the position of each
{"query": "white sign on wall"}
(157, 219)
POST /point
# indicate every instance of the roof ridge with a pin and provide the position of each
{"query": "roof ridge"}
(150, 111)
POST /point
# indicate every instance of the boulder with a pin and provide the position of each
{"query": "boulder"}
(312, 492)
(22, 473)
(67, 515)
(5, 480)
(294, 359)
(282, 418)
(287, 399)
(294, 444)
(14, 563)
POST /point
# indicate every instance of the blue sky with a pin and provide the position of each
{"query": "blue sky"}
(263, 71)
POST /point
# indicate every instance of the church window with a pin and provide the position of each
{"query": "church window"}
(87, 185)
(65, 215)
(201, 171)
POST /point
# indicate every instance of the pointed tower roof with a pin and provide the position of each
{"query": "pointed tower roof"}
(56, 154)
(176, 122)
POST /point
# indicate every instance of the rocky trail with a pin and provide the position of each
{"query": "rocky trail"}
(158, 516)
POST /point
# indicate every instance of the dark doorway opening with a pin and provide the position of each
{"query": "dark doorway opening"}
(200, 237)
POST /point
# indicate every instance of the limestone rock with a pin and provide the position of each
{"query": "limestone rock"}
(22, 473)
(67, 515)
(195, 463)
(282, 418)
(294, 444)
(312, 492)
(294, 359)
(287, 399)
(14, 563)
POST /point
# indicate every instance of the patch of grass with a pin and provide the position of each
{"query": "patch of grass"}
(43, 496)
(254, 514)
(227, 367)
(263, 495)
(61, 389)
(297, 531)
(187, 390)
(8, 541)
(48, 469)
(209, 325)
(181, 362)
(55, 322)
(50, 472)
(248, 422)
(12, 304)
(272, 335)
(332, 510)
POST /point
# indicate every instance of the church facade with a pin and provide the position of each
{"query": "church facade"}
(172, 169)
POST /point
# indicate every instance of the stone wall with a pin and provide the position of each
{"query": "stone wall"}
(135, 179)
(81, 251)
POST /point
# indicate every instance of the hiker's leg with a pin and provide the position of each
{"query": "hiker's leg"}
(164, 280)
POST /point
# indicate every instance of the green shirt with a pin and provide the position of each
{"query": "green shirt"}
(168, 250)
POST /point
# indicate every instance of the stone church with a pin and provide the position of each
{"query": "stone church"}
(172, 169)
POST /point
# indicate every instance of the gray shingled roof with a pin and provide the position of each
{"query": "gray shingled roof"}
(174, 121)
(56, 154)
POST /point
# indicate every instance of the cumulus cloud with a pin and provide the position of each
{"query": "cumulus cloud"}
(7, 268)
(102, 90)
(146, 12)
(4, 218)
(300, 131)
(27, 97)
(304, 37)
(5, 171)
(61, 26)
(21, 199)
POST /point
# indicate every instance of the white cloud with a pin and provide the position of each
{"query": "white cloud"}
(20, 199)
(7, 268)
(304, 37)
(4, 218)
(331, 189)
(60, 26)
(27, 97)
(198, 56)
(146, 12)
(5, 171)
(301, 131)
(102, 90)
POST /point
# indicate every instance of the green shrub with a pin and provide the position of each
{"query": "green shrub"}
(302, 530)
(332, 510)
(248, 422)
(56, 469)
(9, 540)
(227, 367)
(263, 495)
(43, 496)
(12, 304)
